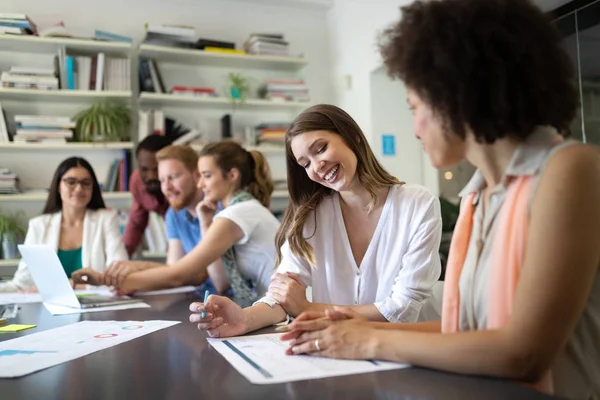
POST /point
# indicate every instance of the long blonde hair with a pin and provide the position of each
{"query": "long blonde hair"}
(255, 175)
(305, 194)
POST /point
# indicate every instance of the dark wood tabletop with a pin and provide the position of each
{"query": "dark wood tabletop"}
(178, 363)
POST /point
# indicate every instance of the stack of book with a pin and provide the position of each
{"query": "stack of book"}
(150, 122)
(17, 24)
(150, 77)
(193, 91)
(43, 128)
(272, 132)
(9, 182)
(283, 89)
(171, 35)
(117, 179)
(218, 46)
(30, 78)
(267, 44)
(96, 72)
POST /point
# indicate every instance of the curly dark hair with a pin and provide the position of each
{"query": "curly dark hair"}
(494, 66)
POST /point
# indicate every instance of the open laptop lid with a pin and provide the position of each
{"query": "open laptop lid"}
(49, 276)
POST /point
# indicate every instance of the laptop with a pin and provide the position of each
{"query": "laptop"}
(53, 284)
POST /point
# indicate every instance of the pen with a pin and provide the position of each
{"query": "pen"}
(206, 294)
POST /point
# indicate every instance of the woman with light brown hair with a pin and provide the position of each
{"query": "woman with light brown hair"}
(354, 233)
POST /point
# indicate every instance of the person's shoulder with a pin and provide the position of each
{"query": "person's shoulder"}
(103, 214)
(574, 165)
(412, 194)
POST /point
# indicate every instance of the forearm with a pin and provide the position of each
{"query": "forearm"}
(370, 312)
(216, 272)
(427, 327)
(476, 353)
(262, 315)
(153, 278)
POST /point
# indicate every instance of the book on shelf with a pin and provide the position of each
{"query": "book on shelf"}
(86, 72)
(170, 36)
(111, 37)
(117, 179)
(192, 91)
(272, 132)
(43, 129)
(285, 89)
(267, 44)
(11, 22)
(223, 50)
(9, 182)
(150, 77)
(202, 43)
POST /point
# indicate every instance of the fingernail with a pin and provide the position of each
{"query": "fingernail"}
(295, 349)
(200, 309)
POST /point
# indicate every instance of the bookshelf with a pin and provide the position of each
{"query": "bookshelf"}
(71, 146)
(266, 150)
(224, 60)
(34, 44)
(169, 100)
(87, 96)
(40, 196)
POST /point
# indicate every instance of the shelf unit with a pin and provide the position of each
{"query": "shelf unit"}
(215, 59)
(37, 195)
(34, 44)
(170, 100)
(64, 95)
(66, 146)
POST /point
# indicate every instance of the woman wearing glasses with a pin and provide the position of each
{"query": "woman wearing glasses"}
(76, 222)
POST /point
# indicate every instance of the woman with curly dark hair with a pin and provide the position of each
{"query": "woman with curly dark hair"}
(488, 82)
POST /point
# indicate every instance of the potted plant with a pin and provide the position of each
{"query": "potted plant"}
(239, 88)
(10, 232)
(103, 122)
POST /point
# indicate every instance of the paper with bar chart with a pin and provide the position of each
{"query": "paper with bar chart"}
(262, 360)
(37, 351)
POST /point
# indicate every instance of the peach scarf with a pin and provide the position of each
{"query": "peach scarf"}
(508, 255)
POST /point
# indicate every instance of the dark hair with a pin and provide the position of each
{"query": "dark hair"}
(153, 143)
(255, 176)
(305, 194)
(54, 201)
(494, 66)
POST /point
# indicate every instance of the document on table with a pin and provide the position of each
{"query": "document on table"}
(262, 360)
(31, 353)
(56, 309)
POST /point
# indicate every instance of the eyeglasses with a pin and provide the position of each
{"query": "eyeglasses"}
(169, 178)
(73, 182)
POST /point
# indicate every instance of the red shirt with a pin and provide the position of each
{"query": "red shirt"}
(143, 202)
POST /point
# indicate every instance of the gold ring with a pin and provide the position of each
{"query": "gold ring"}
(317, 345)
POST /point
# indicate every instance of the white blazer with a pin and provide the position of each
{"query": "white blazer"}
(102, 243)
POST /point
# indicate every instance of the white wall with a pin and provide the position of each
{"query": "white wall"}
(355, 26)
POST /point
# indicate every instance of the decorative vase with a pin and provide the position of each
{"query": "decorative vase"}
(9, 246)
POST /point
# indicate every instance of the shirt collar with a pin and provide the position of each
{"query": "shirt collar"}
(526, 160)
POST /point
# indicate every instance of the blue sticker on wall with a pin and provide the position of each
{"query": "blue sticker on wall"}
(389, 145)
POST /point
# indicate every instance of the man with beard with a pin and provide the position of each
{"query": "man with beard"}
(178, 178)
(145, 190)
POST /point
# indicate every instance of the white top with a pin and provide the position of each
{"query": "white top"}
(101, 244)
(400, 265)
(255, 253)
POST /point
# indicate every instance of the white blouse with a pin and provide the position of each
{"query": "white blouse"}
(399, 268)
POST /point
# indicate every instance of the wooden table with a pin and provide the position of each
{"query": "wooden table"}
(178, 363)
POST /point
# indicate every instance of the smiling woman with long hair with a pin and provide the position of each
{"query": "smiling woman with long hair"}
(76, 222)
(354, 233)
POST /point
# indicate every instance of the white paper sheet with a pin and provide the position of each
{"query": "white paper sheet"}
(31, 353)
(262, 360)
(62, 310)
(182, 289)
